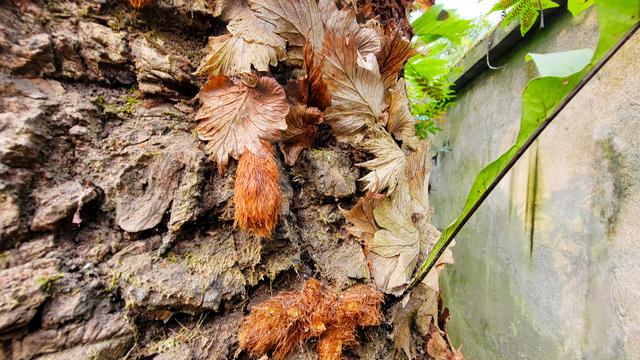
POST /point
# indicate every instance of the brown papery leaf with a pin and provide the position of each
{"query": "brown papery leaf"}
(394, 53)
(250, 41)
(417, 173)
(361, 217)
(235, 117)
(387, 166)
(439, 348)
(297, 21)
(343, 23)
(416, 177)
(319, 95)
(401, 124)
(302, 126)
(406, 235)
(354, 83)
(416, 311)
(312, 89)
(395, 248)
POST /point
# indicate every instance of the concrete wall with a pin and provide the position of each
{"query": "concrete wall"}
(549, 267)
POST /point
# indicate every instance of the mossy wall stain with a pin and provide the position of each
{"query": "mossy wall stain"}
(613, 162)
(533, 182)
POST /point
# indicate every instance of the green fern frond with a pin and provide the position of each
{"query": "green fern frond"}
(527, 11)
(504, 5)
(528, 19)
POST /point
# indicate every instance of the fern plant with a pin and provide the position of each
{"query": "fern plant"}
(526, 11)
(441, 34)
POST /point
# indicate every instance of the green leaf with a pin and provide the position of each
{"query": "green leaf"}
(426, 67)
(503, 5)
(561, 64)
(438, 23)
(578, 6)
(540, 98)
(426, 127)
(615, 17)
(526, 11)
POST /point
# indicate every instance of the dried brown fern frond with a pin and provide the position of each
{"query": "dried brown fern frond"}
(286, 321)
(257, 194)
(139, 4)
(237, 115)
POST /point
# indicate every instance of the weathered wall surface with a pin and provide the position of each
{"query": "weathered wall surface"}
(548, 268)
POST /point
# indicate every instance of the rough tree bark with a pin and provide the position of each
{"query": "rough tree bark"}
(116, 230)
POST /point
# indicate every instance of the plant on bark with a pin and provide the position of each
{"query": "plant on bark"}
(350, 77)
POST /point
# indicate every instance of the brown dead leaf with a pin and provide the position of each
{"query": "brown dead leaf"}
(318, 91)
(343, 23)
(394, 53)
(250, 41)
(297, 21)
(312, 89)
(401, 124)
(416, 171)
(228, 10)
(416, 176)
(394, 249)
(354, 83)
(302, 125)
(386, 167)
(439, 348)
(363, 225)
(235, 117)
(406, 235)
(417, 310)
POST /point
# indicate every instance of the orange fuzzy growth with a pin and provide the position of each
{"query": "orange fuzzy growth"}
(138, 4)
(257, 194)
(285, 321)
(355, 307)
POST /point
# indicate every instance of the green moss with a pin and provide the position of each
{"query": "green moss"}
(322, 155)
(615, 166)
(168, 344)
(129, 103)
(171, 257)
(45, 282)
(4, 260)
(114, 282)
(101, 102)
(84, 12)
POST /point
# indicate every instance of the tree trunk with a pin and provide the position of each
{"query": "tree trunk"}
(117, 229)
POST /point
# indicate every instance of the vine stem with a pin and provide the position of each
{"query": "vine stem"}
(431, 260)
